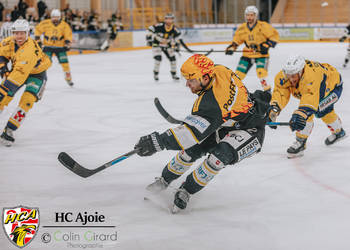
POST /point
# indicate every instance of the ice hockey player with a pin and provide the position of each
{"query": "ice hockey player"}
(342, 39)
(258, 37)
(29, 65)
(319, 87)
(226, 122)
(6, 27)
(57, 38)
(163, 37)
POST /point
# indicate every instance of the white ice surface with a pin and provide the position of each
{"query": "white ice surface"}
(265, 202)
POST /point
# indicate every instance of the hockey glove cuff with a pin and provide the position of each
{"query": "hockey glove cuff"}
(149, 144)
(298, 120)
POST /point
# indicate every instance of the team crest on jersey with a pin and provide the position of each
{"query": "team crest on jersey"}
(21, 224)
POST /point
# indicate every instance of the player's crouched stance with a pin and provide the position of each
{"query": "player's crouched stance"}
(29, 65)
(319, 87)
(226, 122)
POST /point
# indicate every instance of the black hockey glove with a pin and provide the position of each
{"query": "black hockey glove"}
(264, 48)
(67, 45)
(342, 39)
(3, 69)
(230, 49)
(298, 120)
(273, 111)
(149, 144)
(177, 47)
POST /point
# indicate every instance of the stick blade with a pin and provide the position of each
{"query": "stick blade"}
(164, 113)
(73, 166)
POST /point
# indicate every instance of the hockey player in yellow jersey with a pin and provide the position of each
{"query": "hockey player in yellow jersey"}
(226, 122)
(29, 65)
(258, 37)
(57, 38)
(319, 87)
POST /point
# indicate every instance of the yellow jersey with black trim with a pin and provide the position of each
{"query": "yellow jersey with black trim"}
(54, 35)
(26, 60)
(317, 81)
(254, 36)
(224, 100)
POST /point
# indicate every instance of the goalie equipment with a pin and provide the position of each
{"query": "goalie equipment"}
(294, 65)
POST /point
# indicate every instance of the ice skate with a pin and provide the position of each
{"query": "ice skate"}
(174, 76)
(345, 63)
(180, 201)
(7, 137)
(69, 79)
(156, 75)
(333, 138)
(158, 185)
(297, 148)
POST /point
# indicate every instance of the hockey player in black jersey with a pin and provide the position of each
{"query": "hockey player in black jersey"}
(342, 39)
(227, 124)
(163, 37)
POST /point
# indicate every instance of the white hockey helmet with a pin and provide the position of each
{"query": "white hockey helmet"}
(169, 15)
(55, 13)
(21, 25)
(252, 9)
(294, 65)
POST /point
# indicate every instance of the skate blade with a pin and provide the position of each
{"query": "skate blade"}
(291, 156)
(6, 143)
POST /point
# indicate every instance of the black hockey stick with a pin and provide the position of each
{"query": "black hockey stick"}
(210, 51)
(78, 169)
(172, 120)
(187, 49)
(164, 113)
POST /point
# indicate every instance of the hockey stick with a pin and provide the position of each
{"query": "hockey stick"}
(78, 169)
(187, 49)
(172, 120)
(210, 51)
(164, 113)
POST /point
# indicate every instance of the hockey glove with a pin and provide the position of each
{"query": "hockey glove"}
(230, 49)
(273, 111)
(264, 48)
(149, 144)
(298, 120)
(177, 47)
(37, 39)
(342, 39)
(3, 70)
(66, 45)
(149, 40)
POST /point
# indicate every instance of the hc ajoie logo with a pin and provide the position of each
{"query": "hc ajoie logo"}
(84, 218)
(21, 224)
